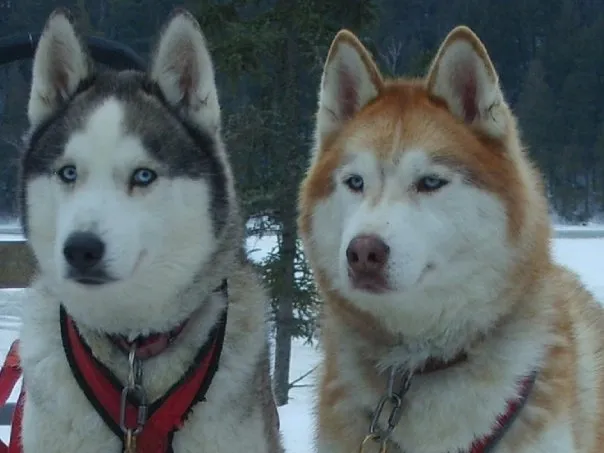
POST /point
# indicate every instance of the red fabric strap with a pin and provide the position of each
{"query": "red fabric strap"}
(9, 375)
(504, 421)
(163, 420)
(149, 346)
(103, 390)
(154, 438)
(16, 424)
(10, 372)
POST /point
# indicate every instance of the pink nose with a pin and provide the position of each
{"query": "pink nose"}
(367, 256)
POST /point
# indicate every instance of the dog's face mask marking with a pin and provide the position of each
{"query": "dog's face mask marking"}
(125, 180)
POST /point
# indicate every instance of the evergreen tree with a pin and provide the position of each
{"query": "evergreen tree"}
(535, 106)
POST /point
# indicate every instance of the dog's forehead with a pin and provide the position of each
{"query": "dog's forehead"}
(412, 138)
(103, 139)
(118, 106)
(394, 153)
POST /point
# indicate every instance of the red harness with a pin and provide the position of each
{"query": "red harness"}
(489, 442)
(9, 375)
(165, 415)
(505, 420)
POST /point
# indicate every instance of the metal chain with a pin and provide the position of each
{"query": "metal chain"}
(395, 398)
(134, 389)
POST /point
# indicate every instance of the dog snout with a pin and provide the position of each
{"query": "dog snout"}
(84, 251)
(367, 256)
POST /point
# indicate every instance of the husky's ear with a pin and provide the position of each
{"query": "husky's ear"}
(350, 80)
(463, 75)
(61, 62)
(183, 69)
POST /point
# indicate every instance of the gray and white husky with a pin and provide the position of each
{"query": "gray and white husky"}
(129, 206)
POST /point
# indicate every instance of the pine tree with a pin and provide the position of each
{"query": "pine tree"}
(535, 110)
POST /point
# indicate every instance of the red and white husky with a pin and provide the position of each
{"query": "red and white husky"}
(428, 233)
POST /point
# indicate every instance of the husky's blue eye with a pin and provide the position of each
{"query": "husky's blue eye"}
(142, 177)
(355, 183)
(67, 174)
(430, 184)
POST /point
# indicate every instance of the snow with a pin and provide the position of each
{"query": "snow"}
(583, 255)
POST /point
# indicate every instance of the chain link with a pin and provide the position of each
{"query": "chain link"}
(135, 390)
(394, 395)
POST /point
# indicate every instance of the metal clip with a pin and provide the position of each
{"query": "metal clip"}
(130, 442)
(374, 438)
(134, 389)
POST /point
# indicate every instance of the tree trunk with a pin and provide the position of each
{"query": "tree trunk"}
(287, 252)
(285, 311)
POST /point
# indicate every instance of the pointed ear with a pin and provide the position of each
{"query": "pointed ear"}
(463, 75)
(61, 62)
(182, 68)
(350, 80)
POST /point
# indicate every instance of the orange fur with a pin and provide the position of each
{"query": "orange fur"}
(406, 115)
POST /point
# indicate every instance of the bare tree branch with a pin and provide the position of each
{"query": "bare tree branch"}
(15, 143)
(293, 383)
(392, 54)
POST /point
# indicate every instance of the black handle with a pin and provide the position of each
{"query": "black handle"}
(111, 53)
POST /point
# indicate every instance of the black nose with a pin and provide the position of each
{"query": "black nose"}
(83, 251)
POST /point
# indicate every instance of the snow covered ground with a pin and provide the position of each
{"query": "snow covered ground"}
(584, 256)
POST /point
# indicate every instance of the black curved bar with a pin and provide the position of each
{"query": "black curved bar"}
(105, 51)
